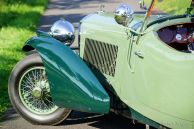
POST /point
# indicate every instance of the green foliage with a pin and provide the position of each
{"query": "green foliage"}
(175, 7)
(28, 2)
(18, 20)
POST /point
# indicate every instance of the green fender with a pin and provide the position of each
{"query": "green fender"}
(72, 83)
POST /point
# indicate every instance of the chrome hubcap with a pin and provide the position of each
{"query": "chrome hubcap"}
(37, 92)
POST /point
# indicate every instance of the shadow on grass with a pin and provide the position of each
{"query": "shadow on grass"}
(9, 114)
(5, 70)
(19, 20)
(11, 17)
(4, 76)
(24, 2)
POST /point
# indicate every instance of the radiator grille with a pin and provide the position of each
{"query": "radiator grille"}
(100, 55)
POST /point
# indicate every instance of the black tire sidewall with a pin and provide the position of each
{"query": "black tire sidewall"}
(51, 119)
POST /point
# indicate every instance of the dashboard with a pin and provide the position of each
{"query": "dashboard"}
(179, 37)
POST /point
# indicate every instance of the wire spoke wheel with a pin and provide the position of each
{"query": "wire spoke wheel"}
(30, 95)
(34, 91)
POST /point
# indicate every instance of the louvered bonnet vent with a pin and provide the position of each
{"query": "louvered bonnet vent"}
(101, 56)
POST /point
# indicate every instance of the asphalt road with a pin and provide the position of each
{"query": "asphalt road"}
(77, 120)
(73, 11)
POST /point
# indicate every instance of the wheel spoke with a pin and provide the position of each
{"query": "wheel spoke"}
(27, 86)
(28, 82)
(35, 92)
(30, 78)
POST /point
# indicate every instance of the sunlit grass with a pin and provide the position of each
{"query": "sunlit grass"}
(175, 7)
(18, 20)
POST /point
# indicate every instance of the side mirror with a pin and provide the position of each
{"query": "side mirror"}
(123, 14)
(142, 5)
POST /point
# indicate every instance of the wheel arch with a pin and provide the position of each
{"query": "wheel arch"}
(27, 48)
(72, 83)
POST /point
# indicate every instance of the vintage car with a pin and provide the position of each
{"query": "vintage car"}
(139, 65)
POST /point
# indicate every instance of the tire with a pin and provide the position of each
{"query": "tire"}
(32, 99)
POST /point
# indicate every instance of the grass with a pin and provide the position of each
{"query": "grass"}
(18, 20)
(172, 6)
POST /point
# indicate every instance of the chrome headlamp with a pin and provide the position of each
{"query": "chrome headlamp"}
(123, 14)
(63, 31)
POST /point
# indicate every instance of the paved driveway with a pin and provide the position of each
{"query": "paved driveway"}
(73, 11)
(77, 120)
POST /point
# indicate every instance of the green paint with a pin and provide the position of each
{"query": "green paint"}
(72, 83)
(137, 116)
(160, 85)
